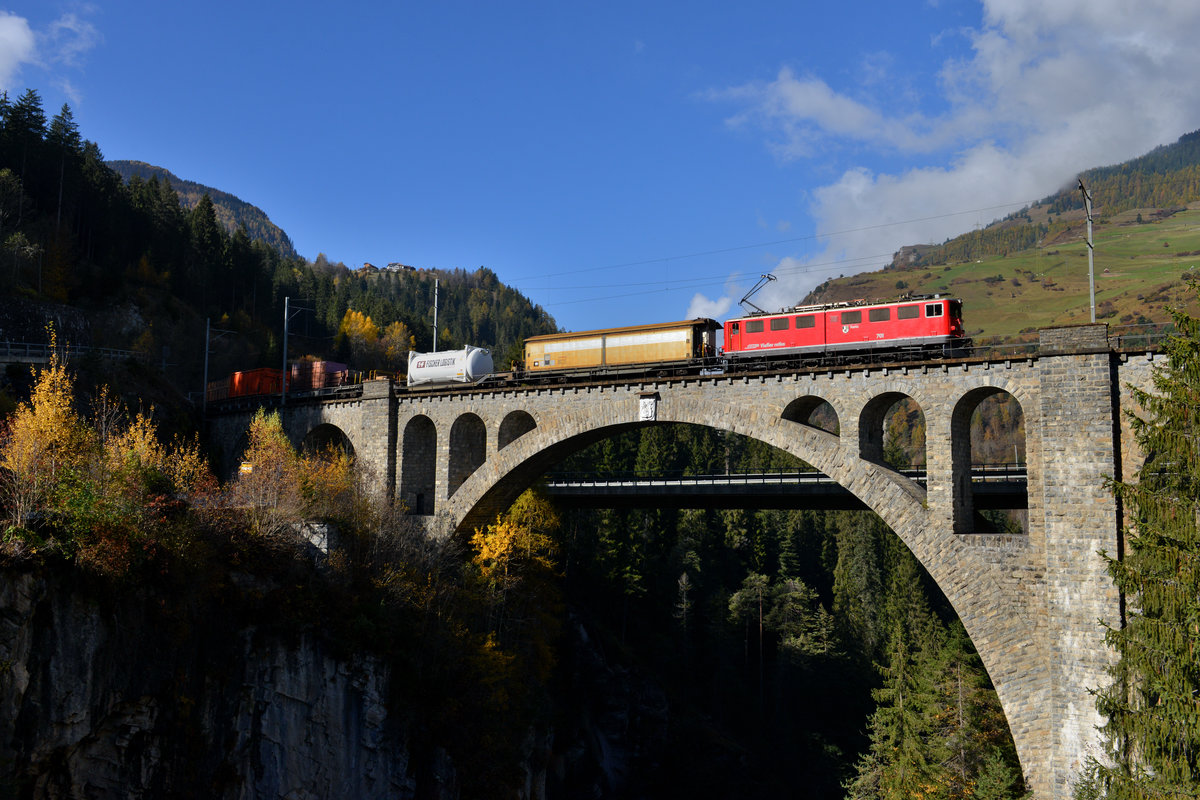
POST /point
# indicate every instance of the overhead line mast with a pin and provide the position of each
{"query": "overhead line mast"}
(1087, 205)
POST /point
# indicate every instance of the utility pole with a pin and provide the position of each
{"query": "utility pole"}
(435, 305)
(283, 388)
(287, 315)
(208, 329)
(1087, 205)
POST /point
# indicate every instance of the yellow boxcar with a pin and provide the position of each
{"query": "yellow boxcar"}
(613, 347)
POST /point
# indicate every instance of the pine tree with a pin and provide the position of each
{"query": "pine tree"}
(1153, 705)
(66, 144)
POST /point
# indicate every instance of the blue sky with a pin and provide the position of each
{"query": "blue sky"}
(619, 162)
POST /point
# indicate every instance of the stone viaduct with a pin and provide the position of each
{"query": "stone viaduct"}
(1032, 603)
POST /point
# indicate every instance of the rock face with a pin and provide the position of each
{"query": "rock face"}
(118, 699)
(119, 692)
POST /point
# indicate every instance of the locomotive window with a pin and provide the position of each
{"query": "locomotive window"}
(933, 310)
(879, 314)
(851, 317)
(779, 324)
(733, 327)
(754, 326)
(807, 321)
(908, 312)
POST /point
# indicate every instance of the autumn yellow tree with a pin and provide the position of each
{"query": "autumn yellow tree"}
(516, 559)
(270, 488)
(361, 334)
(395, 343)
(42, 440)
(142, 462)
(337, 487)
(98, 489)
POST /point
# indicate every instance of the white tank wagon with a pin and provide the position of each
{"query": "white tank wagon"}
(469, 365)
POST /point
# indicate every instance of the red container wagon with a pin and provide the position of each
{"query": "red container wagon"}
(307, 375)
(931, 323)
(250, 383)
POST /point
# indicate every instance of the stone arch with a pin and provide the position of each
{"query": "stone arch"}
(468, 448)
(325, 437)
(1001, 639)
(511, 470)
(418, 471)
(814, 411)
(873, 421)
(515, 425)
(241, 443)
(963, 433)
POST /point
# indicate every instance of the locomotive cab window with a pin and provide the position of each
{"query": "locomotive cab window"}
(733, 327)
(933, 310)
(851, 317)
(908, 312)
(806, 321)
(879, 314)
(754, 326)
(779, 324)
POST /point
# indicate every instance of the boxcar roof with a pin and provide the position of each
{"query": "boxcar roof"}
(710, 324)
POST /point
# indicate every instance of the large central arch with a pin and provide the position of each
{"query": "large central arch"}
(966, 579)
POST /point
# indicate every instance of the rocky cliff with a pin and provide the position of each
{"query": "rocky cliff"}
(117, 699)
(114, 691)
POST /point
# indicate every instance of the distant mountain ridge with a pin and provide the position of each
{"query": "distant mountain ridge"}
(232, 211)
(1166, 177)
(1030, 269)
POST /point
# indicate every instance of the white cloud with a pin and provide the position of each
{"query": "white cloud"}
(60, 46)
(701, 306)
(68, 38)
(17, 47)
(1049, 89)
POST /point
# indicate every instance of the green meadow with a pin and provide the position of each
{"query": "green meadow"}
(1141, 269)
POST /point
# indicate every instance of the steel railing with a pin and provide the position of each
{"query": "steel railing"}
(38, 351)
(980, 473)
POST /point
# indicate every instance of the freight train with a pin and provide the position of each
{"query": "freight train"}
(919, 327)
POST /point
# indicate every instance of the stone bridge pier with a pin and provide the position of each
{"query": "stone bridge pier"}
(1031, 602)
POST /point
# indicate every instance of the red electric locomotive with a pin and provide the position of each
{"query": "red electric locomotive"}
(928, 324)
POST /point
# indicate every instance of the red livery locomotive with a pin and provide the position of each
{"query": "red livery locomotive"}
(931, 324)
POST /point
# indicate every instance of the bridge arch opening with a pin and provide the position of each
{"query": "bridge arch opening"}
(515, 425)
(816, 412)
(693, 545)
(418, 474)
(468, 449)
(237, 455)
(891, 431)
(327, 438)
(988, 448)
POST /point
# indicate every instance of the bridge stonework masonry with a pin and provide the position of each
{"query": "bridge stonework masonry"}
(1032, 602)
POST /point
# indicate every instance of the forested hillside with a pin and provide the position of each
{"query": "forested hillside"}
(147, 270)
(232, 212)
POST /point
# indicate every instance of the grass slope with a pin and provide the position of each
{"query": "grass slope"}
(1140, 271)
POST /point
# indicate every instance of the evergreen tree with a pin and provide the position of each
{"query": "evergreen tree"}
(1153, 706)
(24, 132)
(208, 243)
(66, 144)
(858, 584)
